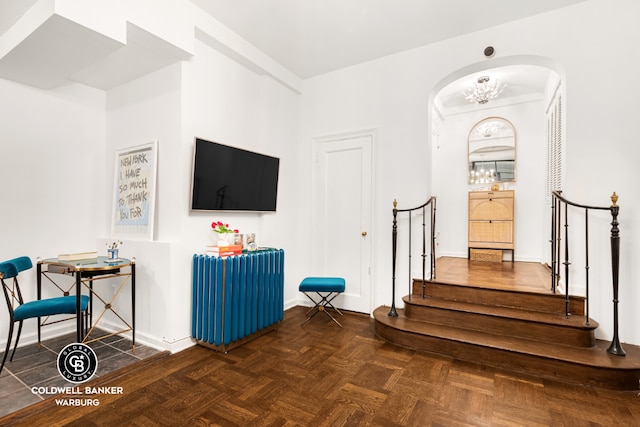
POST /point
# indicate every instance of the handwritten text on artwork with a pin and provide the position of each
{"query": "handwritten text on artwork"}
(134, 187)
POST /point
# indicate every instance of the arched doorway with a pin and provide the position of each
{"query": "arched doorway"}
(531, 86)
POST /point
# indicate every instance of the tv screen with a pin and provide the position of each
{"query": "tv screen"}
(232, 179)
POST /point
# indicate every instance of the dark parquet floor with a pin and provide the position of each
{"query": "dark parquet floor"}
(322, 375)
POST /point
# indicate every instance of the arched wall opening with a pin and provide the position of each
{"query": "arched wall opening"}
(531, 83)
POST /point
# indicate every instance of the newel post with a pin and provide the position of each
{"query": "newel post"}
(394, 245)
(615, 347)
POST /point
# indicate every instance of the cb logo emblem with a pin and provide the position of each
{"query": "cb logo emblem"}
(77, 363)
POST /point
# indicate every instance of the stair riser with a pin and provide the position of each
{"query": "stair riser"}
(512, 361)
(528, 301)
(503, 326)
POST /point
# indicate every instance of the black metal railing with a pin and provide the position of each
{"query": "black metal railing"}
(560, 219)
(431, 204)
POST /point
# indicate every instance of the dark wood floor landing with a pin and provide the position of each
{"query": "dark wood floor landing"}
(516, 276)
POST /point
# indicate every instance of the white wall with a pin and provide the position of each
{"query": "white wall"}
(603, 160)
(52, 174)
(229, 103)
(141, 111)
(592, 41)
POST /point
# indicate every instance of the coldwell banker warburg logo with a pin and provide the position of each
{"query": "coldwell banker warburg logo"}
(77, 363)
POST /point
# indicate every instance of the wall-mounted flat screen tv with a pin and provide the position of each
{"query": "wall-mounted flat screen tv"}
(231, 179)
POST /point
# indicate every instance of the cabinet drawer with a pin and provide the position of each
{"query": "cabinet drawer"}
(502, 194)
(490, 232)
(491, 209)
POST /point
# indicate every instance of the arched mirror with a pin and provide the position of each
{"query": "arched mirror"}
(492, 151)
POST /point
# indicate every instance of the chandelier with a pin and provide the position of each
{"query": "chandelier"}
(489, 129)
(483, 91)
(482, 176)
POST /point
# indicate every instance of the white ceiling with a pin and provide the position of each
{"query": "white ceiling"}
(312, 37)
(308, 37)
(59, 50)
(11, 10)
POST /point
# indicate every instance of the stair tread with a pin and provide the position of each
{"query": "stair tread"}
(596, 356)
(542, 300)
(573, 321)
(546, 293)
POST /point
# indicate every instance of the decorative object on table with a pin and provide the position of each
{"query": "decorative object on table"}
(112, 250)
(251, 242)
(226, 235)
(223, 251)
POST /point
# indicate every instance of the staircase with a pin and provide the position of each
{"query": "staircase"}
(524, 332)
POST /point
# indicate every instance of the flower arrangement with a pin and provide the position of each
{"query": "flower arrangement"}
(112, 250)
(222, 228)
(114, 245)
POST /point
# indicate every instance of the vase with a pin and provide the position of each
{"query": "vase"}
(112, 254)
(226, 239)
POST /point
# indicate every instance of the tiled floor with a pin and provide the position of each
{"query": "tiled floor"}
(31, 367)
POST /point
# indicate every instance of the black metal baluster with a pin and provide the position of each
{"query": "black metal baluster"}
(586, 256)
(394, 245)
(424, 251)
(566, 261)
(615, 347)
(558, 240)
(410, 255)
(554, 201)
(433, 240)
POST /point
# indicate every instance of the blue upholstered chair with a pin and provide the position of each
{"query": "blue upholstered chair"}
(20, 310)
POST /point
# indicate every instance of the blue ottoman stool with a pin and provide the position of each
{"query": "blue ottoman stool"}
(327, 288)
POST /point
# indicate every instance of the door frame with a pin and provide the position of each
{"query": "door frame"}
(317, 142)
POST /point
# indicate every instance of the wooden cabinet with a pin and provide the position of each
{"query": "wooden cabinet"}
(491, 220)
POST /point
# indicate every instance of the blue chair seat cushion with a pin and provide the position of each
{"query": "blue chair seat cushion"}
(49, 307)
(322, 284)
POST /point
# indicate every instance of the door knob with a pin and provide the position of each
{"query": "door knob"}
(364, 233)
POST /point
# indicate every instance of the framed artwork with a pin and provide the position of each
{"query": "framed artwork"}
(134, 192)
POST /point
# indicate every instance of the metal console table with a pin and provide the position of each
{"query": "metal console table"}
(86, 272)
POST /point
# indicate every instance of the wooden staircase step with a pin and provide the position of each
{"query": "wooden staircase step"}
(592, 366)
(508, 321)
(533, 301)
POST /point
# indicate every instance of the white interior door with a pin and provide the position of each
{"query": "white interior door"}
(343, 200)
